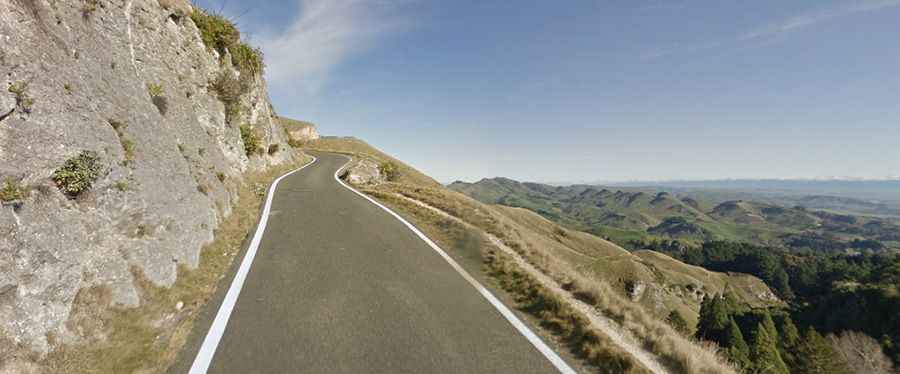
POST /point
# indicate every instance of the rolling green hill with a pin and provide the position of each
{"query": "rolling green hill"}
(631, 215)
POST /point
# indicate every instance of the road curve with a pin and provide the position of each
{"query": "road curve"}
(338, 285)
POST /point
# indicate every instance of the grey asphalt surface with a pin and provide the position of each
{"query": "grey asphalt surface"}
(340, 286)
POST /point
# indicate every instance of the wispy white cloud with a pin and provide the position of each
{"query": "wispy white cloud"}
(781, 29)
(326, 33)
(773, 32)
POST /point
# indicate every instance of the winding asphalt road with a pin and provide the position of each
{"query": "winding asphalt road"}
(339, 285)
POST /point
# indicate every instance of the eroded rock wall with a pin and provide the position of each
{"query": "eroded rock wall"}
(82, 73)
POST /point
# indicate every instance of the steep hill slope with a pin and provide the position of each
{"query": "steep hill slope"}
(631, 291)
(129, 131)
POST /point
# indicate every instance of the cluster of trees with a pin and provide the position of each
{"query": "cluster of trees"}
(831, 292)
(764, 341)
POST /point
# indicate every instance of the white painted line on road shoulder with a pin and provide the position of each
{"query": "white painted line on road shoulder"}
(554, 359)
(211, 342)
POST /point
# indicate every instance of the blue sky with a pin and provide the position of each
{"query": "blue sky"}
(573, 91)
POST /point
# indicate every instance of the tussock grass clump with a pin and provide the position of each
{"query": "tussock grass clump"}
(228, 89)
(679, 353)
(78, 173)
(248, 60)
(156, 96)
(12, 190)
(252, 141)
(88, 8)
(154, 89)
(127, 144)
(23, 101)
(389, 170)
(122, 186)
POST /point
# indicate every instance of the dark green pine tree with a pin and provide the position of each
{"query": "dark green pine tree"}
(769, 325)
(714, 319)
(735, 346)
(764, 351)
(731, 302)
(789, 339)
(816, 356)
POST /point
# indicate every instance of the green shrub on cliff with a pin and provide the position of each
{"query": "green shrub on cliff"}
(220, 34)
(251, 140)
(78, 173)
(216, 31)
(247, 59)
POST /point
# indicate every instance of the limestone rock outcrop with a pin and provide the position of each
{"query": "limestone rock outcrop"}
(129, 81)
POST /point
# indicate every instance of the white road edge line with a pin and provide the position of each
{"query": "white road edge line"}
(214, 335)
(554, 359)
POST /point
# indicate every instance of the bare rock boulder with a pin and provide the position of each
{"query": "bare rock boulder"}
(363, 172)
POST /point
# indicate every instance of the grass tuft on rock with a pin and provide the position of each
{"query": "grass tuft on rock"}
(23, 101)
(127, 144)
(156, 96)
(88, 8)
(12, 190)
(216, 31)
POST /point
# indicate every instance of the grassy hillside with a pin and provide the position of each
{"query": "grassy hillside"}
(640, 215)
(637, 290)
(359, 149)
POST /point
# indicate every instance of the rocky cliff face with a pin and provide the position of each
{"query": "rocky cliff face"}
(299, 131)
(129, 82)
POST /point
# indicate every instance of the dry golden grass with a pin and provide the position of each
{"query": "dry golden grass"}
(532, 236)
(148, 338)
(553, 314)
(560, 318)
(676, 352)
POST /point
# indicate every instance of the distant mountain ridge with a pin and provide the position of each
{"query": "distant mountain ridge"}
(885, 189)
(631, 213)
